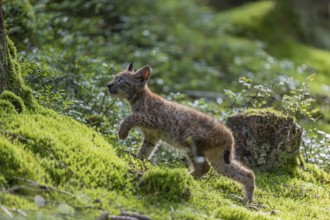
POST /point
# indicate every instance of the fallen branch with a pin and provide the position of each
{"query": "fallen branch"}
(135, 215)
(124, 215)
(6, 210)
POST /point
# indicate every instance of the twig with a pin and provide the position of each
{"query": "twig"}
(6, 211)
(45, 187)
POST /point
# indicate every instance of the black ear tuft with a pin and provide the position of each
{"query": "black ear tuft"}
(130, 67)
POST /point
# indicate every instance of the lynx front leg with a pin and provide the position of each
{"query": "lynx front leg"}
(199, 164)
(124, 128)
(135, 120)
(148, 147)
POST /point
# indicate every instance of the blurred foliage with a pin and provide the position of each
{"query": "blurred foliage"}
(21, 20)
(225, 4)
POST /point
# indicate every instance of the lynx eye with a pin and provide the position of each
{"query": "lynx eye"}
(120, 80)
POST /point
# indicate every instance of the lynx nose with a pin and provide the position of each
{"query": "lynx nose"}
(110, 85)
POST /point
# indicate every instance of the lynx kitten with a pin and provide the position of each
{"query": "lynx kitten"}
(206, 141)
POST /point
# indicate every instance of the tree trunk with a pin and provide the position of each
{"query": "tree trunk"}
(4, 71)
(265, 139)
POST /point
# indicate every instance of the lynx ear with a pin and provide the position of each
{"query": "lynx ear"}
(130, 67)
(143, 74)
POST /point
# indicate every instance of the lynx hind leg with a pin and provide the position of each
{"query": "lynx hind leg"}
(243, 175)
(234, 170)
(199, 164)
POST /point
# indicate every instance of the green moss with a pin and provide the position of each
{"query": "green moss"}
(265, 112)
(14, 99)
(60, 153)
(171, 185)
(56, 151)
(228, 186)
(60, 143)
(234, 213)
(7, 107)
(319, 174)
(17, 85)
(10, 200)
(16, 163)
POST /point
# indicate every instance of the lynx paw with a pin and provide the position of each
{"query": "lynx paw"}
(195, 174)
(123, 132)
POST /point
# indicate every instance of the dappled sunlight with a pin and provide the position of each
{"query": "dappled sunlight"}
(60, 154)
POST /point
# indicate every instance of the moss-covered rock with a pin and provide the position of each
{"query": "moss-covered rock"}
(171, 185)
(14, 99)
(265, 138)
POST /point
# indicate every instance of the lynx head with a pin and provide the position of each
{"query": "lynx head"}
(128, 84)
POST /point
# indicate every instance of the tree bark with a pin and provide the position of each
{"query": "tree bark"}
(4, 71)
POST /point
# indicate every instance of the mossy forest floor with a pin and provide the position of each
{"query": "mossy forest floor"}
(52, 167)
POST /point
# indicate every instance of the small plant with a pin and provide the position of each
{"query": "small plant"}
(316, 147)
(294, 101)
(298, 102)
(43, 79)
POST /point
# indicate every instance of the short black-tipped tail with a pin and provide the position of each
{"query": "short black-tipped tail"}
(226, 156)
